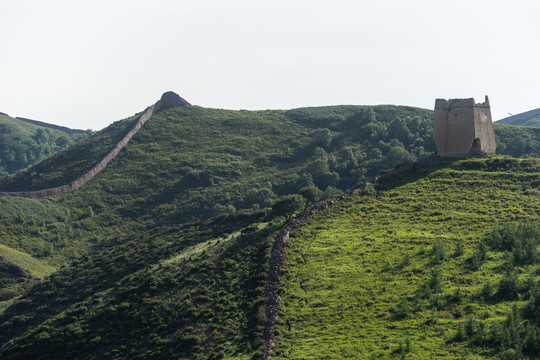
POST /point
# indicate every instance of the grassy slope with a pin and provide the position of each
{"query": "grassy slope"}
(347, 272)
(183, 293)
(529, 118)
(69, 164)
(21, 146)
(30, 264)
(146, 185)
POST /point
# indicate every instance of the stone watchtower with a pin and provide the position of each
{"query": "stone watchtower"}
(463, 128)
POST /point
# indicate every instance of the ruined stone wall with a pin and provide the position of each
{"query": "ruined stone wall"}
(273, 282)
(68, 188)
(484, 129)
(169, 99)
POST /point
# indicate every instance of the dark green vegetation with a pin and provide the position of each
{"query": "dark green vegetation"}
(517, 141)
(188, 164)
(440, 261)
(66, 166)
(193, 292)
(132, 284)
(529, 118)
(23, 143)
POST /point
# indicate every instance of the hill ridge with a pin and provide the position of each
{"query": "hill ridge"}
(89, 175)
(51, 126)
(521, 119)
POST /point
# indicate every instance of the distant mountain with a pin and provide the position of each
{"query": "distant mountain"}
(52, 126)
(528, 118)
(24, 142)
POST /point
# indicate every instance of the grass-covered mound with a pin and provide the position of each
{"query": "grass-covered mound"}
(415, 268)
(193, 292)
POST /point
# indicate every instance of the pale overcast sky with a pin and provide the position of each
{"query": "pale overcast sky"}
(85, 64)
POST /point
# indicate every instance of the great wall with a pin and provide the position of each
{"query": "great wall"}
(462, 128)
(271, 291)
(168, 99)
(470, 125)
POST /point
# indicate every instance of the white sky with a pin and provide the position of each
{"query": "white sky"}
(85, 64)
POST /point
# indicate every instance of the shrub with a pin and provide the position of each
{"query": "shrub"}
(287, 206)
(459, 248)
(506, 236)
(402, 310)
(509, 286)
(310, 194)
(487, 290)
(438, 252)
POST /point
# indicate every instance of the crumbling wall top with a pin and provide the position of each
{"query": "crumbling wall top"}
(443, 104)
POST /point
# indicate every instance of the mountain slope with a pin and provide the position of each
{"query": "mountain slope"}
(24, 142)
(393, 271)
(517, 141)
(66, 166)
(528, 118)
(191, 163)
(398, 269)
(193, 292)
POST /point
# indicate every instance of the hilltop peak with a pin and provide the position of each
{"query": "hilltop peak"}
(171, 99)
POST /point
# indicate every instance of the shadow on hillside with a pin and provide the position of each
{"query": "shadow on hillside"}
(412, 172)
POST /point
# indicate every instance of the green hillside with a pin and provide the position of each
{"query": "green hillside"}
(189, 164)
(416, 267)
(193, 292)
(528, 118)
(410, 268)
(517, 141)
(164, 254)
(23, 143)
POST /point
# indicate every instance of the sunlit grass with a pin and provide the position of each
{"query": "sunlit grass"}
(348, 269)
(37, 268)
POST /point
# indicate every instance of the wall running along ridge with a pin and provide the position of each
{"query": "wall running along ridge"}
(66, 189)
(271, 291)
